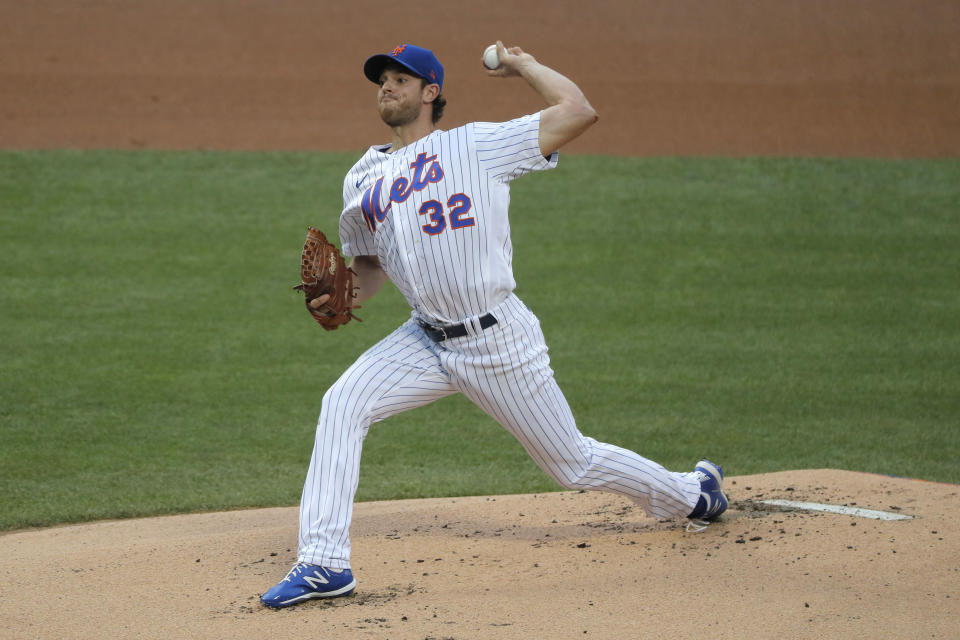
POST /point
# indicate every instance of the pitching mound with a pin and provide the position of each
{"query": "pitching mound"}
(557, 565)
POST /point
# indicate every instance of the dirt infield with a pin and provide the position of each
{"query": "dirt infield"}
(686, 77)
(559, 565)
(731, 77)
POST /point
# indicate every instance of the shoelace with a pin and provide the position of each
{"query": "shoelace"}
(696, 525)
(293, 571)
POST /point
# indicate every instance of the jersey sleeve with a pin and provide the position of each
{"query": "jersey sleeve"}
(511, 149)
(355, 237)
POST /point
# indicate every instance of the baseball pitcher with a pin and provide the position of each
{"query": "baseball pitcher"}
(429, 211)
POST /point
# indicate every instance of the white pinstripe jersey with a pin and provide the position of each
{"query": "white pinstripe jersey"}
(435, 213)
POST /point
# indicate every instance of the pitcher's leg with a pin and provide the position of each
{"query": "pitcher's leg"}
(507, 374)
(546, 429)
(397, 374)
(581, 462)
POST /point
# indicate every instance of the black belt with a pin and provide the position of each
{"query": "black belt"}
(439, 333)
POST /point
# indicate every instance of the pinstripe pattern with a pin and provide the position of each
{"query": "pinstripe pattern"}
(454, 274)
(505, 370)
(397, 374)
(458, 273)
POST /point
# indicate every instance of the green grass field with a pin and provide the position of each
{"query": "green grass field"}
(770, 313)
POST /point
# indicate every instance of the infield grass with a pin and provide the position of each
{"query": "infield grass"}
(769, 313)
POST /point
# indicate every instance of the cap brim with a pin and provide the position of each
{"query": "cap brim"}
(375, 65)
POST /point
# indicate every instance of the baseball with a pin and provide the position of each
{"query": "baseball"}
(490, 58)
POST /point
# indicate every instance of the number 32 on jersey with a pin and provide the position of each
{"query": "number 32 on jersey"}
(426, 170)
(457, 207)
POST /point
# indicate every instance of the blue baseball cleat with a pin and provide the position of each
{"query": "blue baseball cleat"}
(712, 501)
(307, 581)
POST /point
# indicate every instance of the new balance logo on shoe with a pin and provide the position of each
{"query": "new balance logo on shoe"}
(315, 580)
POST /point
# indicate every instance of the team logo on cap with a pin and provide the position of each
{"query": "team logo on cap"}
(398, 50)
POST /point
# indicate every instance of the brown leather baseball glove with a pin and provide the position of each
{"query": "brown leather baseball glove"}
(323, 271)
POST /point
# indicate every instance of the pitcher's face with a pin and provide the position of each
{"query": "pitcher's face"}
(400, 98)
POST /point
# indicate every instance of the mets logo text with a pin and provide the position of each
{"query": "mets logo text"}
(426, 171)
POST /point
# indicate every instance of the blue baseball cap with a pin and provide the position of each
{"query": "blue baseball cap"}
(419, 61)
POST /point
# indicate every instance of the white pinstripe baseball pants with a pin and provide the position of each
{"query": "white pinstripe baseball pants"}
(505, 370)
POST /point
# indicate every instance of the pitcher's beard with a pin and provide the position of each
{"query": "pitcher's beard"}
(395, 114)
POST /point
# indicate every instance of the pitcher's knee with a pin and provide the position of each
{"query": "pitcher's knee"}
(341, 411)
(571, 473)
(576, 468)
(577, 482)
